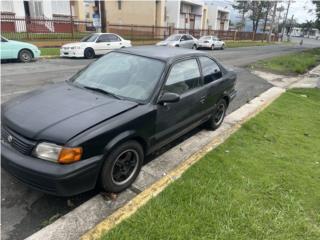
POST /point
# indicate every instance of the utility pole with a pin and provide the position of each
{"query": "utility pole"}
(272, 21)
(103, 16)
(285, 20)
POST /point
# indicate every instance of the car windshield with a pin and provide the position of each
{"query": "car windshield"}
(205, 38)
(122, 75)
(90, 38)
(174, 38)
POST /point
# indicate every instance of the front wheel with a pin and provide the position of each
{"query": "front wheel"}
(222, 47)
(89, 53)
(194, 47)
(217, 118)
(121, 167)
(25, 56)
(212, 47)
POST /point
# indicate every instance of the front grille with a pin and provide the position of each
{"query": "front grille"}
(16, 141)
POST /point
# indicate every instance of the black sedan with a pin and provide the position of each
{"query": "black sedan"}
(96, 128)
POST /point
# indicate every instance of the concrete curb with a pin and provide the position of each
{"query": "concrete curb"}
(79, 221)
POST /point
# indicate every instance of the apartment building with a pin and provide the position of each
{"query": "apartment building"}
(35, 8)
(186, 13)
(218, 16)
(122, 12)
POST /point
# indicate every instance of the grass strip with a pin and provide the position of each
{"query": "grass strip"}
(290, 64)
(262, 183)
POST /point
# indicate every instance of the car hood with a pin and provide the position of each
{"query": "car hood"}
(23, 44)
(60, 112)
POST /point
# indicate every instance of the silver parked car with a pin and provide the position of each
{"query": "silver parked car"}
(180, 40)
(211, 42)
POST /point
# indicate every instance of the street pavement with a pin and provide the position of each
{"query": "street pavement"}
(24, 211)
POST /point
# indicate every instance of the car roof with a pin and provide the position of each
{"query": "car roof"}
(162, 52)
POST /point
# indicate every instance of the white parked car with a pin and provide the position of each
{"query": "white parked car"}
(211, 42)
(180, 40)
(93, 45)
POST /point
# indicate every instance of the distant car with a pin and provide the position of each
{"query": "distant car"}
(25, 52)
(180, 40)
(96, 128)
(93, 45)
(211, 42)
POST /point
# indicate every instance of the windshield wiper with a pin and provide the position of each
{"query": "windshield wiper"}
(103, 91)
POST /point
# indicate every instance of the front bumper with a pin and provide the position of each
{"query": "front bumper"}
(72, 53)
(49, 177)
(36, 53)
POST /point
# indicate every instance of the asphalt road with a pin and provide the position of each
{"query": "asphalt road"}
(25, 211)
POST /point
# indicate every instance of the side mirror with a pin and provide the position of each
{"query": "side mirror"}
(181, 40)
(169, 97)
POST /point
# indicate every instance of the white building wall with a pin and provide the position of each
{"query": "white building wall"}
(173, 13)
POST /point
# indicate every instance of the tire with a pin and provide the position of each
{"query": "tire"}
(222, 47)
(121, 167)
(25, 56)
(217, 118)
(89, 53)
(212, 47)
(194, 47)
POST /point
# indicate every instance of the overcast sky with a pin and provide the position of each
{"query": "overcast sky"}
(302, 10)
(299, 8)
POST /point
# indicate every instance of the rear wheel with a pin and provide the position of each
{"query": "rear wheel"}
(222, 47)
(25, 55)
(89, 53)
(121, 167)
(217, 118)
(194, 47)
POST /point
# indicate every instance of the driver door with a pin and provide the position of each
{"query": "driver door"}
(184, 42)
(103, 44)
(175, 119)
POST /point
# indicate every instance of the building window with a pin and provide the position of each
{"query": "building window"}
(119, 4)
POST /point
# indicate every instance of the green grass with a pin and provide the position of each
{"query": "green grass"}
(235, 44)
(262, 183)
(294, 63)
(50, 51)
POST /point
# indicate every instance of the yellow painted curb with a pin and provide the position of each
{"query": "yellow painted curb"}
(141, 199)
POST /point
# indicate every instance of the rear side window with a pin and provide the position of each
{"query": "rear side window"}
(210, 70)
(183, 77)
(104, 38)
(114, 38)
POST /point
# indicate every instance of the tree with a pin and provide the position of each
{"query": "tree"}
(317, 22)
(243, 8)
(255, 14)
(267, 5)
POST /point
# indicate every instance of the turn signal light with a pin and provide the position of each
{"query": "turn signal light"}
(70, 155)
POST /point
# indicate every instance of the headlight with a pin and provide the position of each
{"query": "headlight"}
(56, 153)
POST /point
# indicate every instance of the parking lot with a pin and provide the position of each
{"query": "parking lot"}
(24, 211)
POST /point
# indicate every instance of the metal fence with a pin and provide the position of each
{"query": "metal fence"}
(71, 29)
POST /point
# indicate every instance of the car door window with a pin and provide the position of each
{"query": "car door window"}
(183, 77)
(114, 38)
(210, 70)
(104, 38)
(189, 37)
(183, 38)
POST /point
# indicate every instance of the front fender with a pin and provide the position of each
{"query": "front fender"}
(119, 139)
